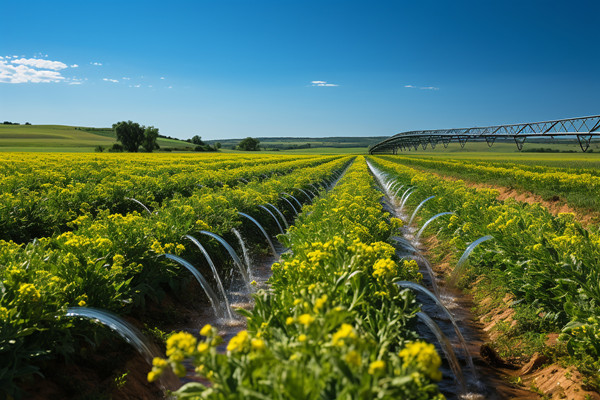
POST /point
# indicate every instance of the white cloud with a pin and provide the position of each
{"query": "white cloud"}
(42, 64)
(422, 87)
(322, 83)
(75, 81)
(96, 64)
(74, 66)
(170, 87)
(21, 73)
(110, 80)
(125, 78)
(135, 86)
(162, 77)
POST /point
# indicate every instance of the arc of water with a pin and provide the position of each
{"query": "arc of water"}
(295, 199)
(274, 217)
(243, 180)
(287, 226)
(397, 191)
(124, 329)
(311, 192)
(392, 185)
(215, 273)
(461, 262)
(261, 229)
(240, 239)
(446, 347)
(314, 187)
(406, 198)
(435, 298)
(404, 242)
(210, 293)
(408, 189)
(306, 194)
(423, 259)
(232, 254)
(418, 208)
(290, 203)
(140, 203)
(430, 220)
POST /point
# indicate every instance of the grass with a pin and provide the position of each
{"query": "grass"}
(65, 138)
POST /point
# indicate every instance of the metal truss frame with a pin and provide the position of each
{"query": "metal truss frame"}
(584, 128)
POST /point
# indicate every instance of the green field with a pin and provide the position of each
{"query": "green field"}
(65, 138)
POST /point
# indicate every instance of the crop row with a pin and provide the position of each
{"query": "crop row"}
(578, 189)
(41, 196)
(111, 261)
(333, 324)
(549, 264)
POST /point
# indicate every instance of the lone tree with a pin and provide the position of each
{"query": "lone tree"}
(150, 136)
(197, 140)
(133, 135)
(249, 144)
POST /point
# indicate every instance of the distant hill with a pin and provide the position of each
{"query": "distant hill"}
(67, 138)
(291, 143)
(86, 139)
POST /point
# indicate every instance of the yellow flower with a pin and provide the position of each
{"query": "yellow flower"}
(345, 331)
(81, 303)
(289, 320)
(302, 338)
(28, 292)
(152, 376)
(306, 319)
(180, 344)
(203, 347)
(376, 367)
(157, 247)
(385, 268)
(207, 330)
(3, 313)
(320, 302)
(258, 344)
(353, 358)
(424, 356)
(238, 342)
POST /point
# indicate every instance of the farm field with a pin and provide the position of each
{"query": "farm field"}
(46, 138)
(106, 237)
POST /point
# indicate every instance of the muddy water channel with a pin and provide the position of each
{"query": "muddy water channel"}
(446, 319)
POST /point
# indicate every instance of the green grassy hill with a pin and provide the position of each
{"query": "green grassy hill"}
(66, 138)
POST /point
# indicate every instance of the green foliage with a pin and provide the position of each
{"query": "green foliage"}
(149, 142)
(130, 134)
(93, 249)
(548, 263)
(333, 323)
(249, 144)
(197, 140)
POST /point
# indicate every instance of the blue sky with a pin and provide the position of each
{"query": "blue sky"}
(226, 69)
